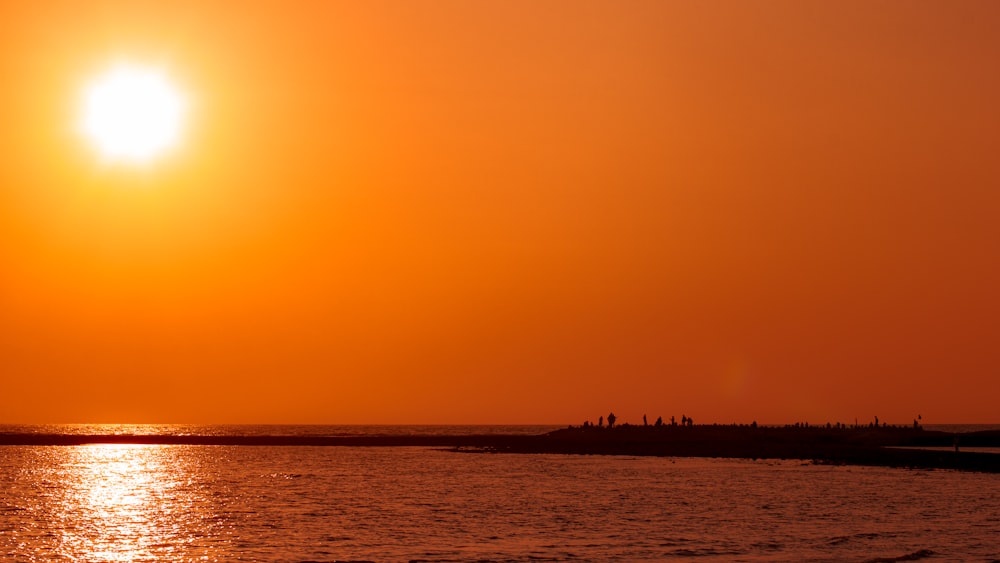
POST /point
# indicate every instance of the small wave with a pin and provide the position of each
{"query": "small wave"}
(287, 476)
(860, 536)
(705, 552)
(768, 546)
(916, 555)
(839, 540)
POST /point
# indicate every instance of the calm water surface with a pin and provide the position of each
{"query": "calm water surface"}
(240, 503)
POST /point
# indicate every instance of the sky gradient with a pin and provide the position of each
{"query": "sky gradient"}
(507, 212)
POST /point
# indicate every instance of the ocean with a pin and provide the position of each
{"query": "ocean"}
(140, 503)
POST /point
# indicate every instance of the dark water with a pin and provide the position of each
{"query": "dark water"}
(240, 503)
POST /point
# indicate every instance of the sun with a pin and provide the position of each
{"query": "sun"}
(132, 114)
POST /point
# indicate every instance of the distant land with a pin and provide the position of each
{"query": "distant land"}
(889, 446)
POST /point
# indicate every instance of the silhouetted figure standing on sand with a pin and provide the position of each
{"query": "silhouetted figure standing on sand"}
(611, 420)
(600, 422)
(659, 421)
(644, 423)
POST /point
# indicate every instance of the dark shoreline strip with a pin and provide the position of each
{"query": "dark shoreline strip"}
(223, 440)
(844, 448)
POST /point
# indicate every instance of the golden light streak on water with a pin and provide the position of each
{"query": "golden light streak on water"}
(112, 485)
(121, 503)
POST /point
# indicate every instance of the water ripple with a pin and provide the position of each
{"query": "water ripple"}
(283, 504)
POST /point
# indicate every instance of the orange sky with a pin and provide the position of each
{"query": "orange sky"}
(508, 212)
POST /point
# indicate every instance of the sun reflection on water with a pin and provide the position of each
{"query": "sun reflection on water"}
(118, 485)
(127, 503)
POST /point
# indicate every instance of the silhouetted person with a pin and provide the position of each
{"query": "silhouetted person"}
(876, 422)
(673, 421)
(611, 420)
(600, 422)
(659, 421)
(684, 420)
(690, 421)
(644, 423)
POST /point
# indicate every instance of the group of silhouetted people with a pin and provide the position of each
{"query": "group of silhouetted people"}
(688, 421)
(612, 419)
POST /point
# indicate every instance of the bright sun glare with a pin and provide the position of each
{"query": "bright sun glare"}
(132, 114)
